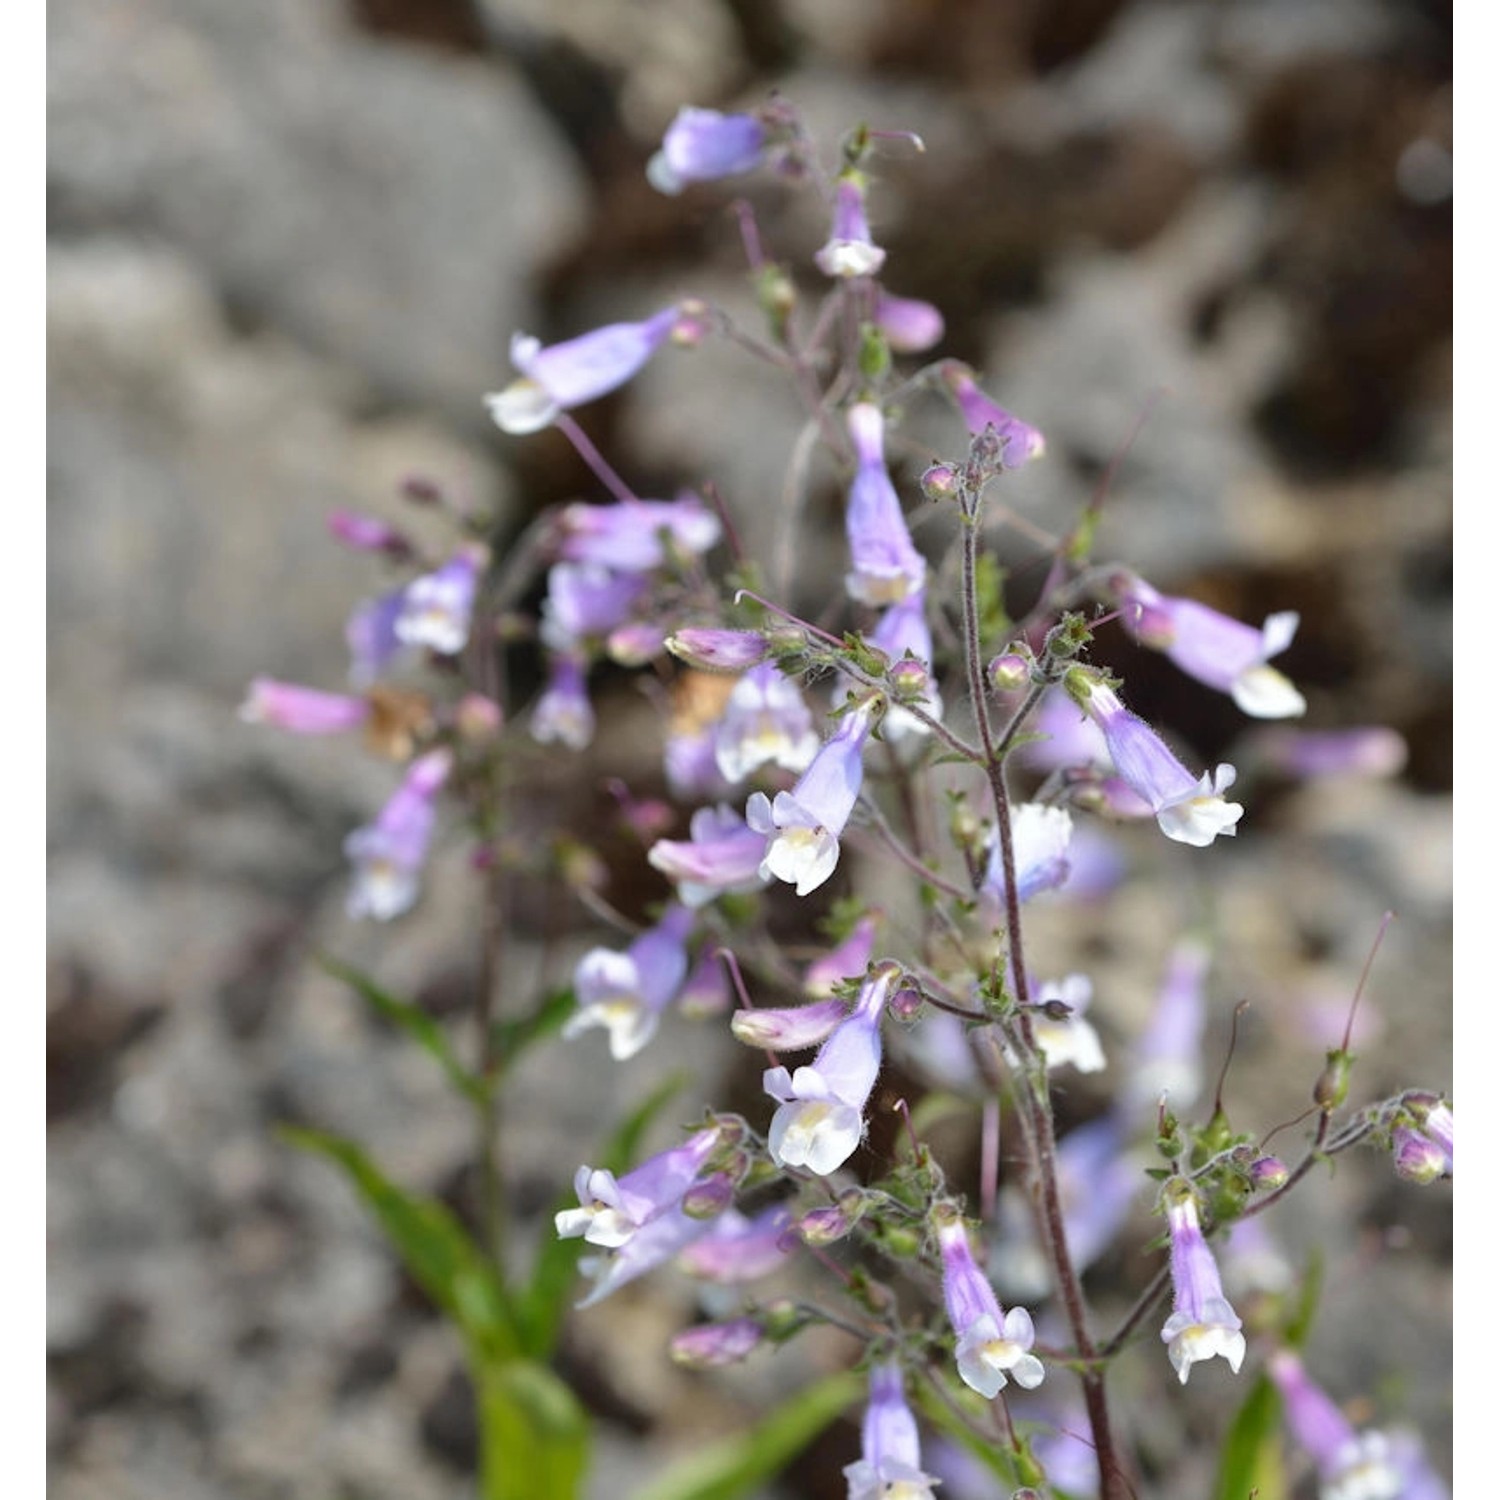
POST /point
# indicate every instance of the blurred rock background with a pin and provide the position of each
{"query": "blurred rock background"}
(288, 245)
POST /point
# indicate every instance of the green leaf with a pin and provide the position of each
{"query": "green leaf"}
(545, 1303)
(534, 1436)
(1251, 1463)
(433, 1246)
(423, 1029)
(741, 1465)
(512, 1037)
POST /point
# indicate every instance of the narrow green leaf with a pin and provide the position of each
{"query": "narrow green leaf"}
(434, 1247)
(512, 1037)
(740, 1465)
(534, 1436)
(1250, 1468)
(423, 1029)
(545, 1303)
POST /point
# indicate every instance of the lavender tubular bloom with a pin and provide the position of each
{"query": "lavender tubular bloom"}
(561, 376)
(1168, 1056)
(764, 721)
(890, 1454)
(1040, 836)
(388, 854)
(1202, 1323)
(820, 1121)
(435, 608)
(563, 713)
(701, 145)
(1190, 811)
(1019, 441)
(846, 961)
(1219, 651)
(302, 710)
(993, 1345)
(722, 854)
(793, 1029)
(719, 650)
(909, 326)
(802, 826)
(849, 250)
(365, 533)
(1310, 753)
(625, 993)
(887, 565)
(371, 636)
(738, 1249)
(635, 536)
(611, 1210)
(711, 1346)
(657, 1242)
(585, 600)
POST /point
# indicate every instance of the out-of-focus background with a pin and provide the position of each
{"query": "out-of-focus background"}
(289, 243)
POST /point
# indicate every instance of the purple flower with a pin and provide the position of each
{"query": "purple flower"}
(1202, 1323)
(738, 1249)
(1187, 810)
(634, 536)
(705, 992)
(561, 376)
(586, 600)
(701, 145)
(563, 713)
(372, 638)
(890, 1454)
(711, 1346)
(849, 250)
(887, 565)
(722, 854)
(820, 1121)
(847, 960)
(993, 1345)
(1040, 836)
(1219, 651)
(793, 1029)
(611, 1210)
(1020, 442)
(436, 607)
(302, 710)
(909, 326)
(626, 992)
(902, 633)
(1309, 753)
(367, 533)
(1417, 1157)
(389, 853)
(1168, 1056)
(657, 1242)
(764, 721)
(719, 650)
(802, 826)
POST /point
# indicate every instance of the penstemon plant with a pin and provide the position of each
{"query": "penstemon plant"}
(975, 759)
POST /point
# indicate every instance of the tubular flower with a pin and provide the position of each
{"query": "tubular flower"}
(1169, 1054)
(711, 1346)
(887, 565)
(802, 826)
(586, 600)
(613, 1209)
(1040, 836)
(713, 650)
(765, 720)
(563, 713)
(302, 710)
(1187, 810)
(635, 536)
(366, 533)
(658, 1241)
(723, 854)
(909, 326)
(1067, 1037)
(849, 250)
(994, 1346)
(847, 960)
(1219, 651)
(436, 607)
(1020, 442)
(737, 1248)
(371, 636)
(626, 992)
(890, 1454)
(388, 854)
(559, 377)
(821, 1118)
(1202, 1323)
(794, 1029)
(701, 145)
(1309, 753)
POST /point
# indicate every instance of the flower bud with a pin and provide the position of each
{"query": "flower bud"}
(1332, 1087)
(1416, 1158)
(940, 482)
(709, 1198)
(719, 650)
(713, 1345)
(906, 1004)
(1268, 1173)
(909, 677)
(1009, 672)
(824, 1226)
